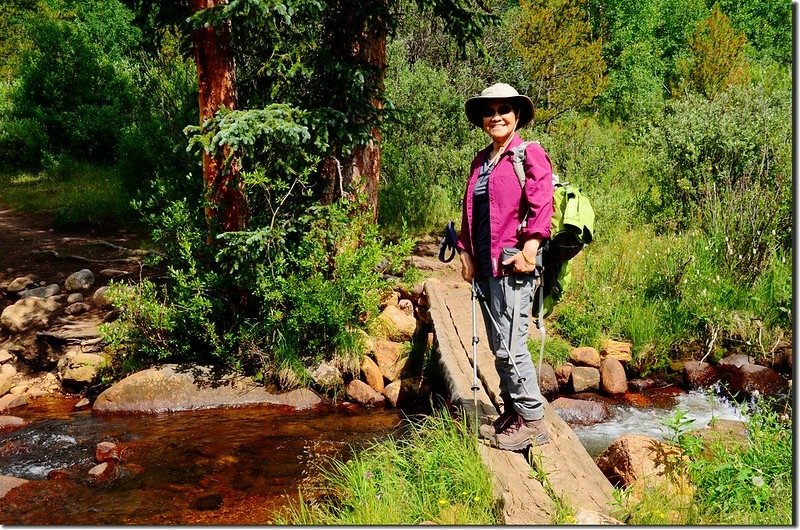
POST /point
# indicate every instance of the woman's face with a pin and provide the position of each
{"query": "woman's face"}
(499, 120)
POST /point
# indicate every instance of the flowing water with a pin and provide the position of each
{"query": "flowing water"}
(230, 466)
(648, 417)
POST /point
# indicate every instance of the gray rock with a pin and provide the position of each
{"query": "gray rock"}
(79, 281)
(41, 292)
(74, 298)
(327, 376)
(172, 388)
(100, 298)
(77, 308)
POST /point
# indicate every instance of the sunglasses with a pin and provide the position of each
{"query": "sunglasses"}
(489, 112)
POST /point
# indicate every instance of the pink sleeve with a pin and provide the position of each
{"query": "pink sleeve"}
(538, 192)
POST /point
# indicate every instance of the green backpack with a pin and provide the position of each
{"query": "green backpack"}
(571, 229)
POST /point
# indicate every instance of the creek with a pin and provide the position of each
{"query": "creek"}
(228, 466)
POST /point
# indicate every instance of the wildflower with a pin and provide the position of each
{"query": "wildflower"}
(442, 502)
(368, 474)
(477, 498)
(758, 482)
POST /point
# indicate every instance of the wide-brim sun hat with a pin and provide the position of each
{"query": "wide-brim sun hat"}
(475, 105)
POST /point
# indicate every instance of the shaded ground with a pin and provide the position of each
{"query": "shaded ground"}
(29, 245)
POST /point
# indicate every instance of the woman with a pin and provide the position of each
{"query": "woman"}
(498, 214)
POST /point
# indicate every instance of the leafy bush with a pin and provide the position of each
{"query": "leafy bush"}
(73, 80)
(726, 163)
(427, 150)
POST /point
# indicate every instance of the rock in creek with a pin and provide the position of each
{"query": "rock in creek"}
(174, 387)
(581, 411)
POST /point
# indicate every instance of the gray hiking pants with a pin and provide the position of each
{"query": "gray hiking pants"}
(500, 295)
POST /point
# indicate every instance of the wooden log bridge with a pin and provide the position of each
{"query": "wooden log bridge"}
(531, 487)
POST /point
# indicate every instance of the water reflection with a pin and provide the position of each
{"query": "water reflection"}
(202, 467)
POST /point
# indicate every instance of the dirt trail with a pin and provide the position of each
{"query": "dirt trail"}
(29, 245)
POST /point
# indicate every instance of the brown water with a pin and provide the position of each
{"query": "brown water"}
(215, 467)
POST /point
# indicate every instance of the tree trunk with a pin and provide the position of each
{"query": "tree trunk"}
(226, 209)
(358, 33)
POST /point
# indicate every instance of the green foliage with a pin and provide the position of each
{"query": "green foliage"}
(433, 473)
(73, 193)
(73, 80)
(725, 163)
(716, 56)
(767, 25)
(423, 181)
(734, 482)
(559, 57)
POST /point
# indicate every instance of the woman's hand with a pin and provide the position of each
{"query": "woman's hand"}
(524, 262)
(467, 267)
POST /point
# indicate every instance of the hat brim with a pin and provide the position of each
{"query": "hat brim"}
(474, 109)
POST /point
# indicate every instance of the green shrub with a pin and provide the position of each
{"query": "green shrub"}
(22, 142)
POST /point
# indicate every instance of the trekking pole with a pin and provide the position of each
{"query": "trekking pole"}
(540, 324)
(521, 380)
(474, 359)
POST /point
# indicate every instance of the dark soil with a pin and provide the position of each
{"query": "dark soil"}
(31, 246)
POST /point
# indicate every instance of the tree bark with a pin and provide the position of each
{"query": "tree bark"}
(358, 34)
(226, 208)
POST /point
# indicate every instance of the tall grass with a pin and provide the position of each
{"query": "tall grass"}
(434, 473)
(74, 193)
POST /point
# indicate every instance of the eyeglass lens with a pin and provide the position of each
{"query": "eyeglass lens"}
(489, 112)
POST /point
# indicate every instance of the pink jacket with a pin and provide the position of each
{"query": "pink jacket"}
(507, 202)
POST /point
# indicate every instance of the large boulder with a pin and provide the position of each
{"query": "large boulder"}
(395, 324)
(28, 313)
(372, 374)
(327, 376)
(171, 388)
(362, 393)
(633, 457)
(581, 411)
(390, 358)
(753, 379)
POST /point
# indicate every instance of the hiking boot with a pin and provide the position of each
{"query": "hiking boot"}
(500, 424)
(520, 434)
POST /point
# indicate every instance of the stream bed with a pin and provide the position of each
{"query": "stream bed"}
(210, 467)
(227, 466)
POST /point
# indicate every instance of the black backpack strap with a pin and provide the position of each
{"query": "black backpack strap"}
(448, 243)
